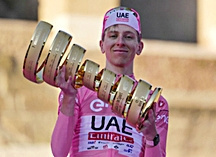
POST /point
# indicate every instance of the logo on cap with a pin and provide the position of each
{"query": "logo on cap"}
(122, 17)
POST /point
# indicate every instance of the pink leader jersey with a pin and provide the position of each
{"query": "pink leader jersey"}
(96, 131)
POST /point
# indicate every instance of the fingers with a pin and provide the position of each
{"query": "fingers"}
(148, 125)
(62, 72)
(151, 116)
(60, 78)
(57, 79)
(69, 81)
(65, 86)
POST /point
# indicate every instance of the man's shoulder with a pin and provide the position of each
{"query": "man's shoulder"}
(162, 104)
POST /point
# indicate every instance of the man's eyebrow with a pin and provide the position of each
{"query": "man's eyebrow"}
(114, 31)
(129, 32)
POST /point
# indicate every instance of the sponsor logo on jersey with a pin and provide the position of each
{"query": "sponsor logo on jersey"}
(103, 123)
(161, 103)
(97, 105)
(106, 132)
(91, 142)
(162, 117)
(109, 136)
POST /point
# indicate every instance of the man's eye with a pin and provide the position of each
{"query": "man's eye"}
(113, 36)
(129, 37)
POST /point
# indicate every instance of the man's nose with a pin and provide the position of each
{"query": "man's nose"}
(120, 41)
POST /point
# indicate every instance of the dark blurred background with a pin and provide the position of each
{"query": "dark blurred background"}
(19, 9)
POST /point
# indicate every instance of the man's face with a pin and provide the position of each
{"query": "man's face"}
(120, 45)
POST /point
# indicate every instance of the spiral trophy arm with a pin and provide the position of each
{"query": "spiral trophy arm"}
(128, 99)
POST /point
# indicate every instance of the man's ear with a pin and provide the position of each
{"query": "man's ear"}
(101, 46)
(140, 48)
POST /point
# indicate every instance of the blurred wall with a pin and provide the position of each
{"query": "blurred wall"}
(185, 71)
(207, 23)
(81, 19)
(67, 11)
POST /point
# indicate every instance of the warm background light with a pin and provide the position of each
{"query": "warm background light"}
(186, 71)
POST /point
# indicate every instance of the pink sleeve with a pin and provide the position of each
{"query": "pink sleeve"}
(63, 133)
(162, 117)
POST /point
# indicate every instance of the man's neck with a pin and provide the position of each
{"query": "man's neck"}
(120, 70)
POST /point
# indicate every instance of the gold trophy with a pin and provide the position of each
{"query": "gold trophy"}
(138, 100)
(119, 93)
(104, 82)
(56, 52)
(144, 111)
(129, 99)
(87, 75)
(73, 62)
(35, 48)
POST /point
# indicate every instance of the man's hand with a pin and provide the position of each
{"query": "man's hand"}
(149, 128)
(69, 92)
(65, 86)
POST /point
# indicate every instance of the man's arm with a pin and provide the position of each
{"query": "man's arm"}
(160, 122)
(63, 132)
(67, 117)
(160, 149)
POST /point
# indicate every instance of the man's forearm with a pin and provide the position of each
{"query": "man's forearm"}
(62, 135)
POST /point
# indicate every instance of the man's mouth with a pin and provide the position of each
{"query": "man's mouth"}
(120, 51)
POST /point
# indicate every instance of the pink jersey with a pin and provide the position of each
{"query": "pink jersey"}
(95, 130)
